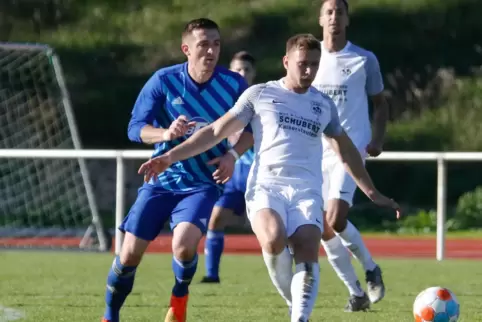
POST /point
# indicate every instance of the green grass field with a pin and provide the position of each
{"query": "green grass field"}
(57, 287)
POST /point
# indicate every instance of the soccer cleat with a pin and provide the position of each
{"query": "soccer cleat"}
(357, 303)
(375, 285)
(177, 309)
(210, 280)
(104, 320)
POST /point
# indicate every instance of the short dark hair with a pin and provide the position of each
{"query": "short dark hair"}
(244, 56)
(303, 42)
(345, 2)
(200, 23)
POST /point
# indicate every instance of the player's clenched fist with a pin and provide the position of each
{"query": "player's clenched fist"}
(178, 128)
(154, 166)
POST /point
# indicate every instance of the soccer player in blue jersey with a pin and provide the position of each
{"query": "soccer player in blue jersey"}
(231, 201)
(174, 103)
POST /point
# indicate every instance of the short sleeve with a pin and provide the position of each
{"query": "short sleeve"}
(374, 83)
(334, 127)
(244, 109)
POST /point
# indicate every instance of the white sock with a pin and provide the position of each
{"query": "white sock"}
(304, 289)
(340, 260)
(352, 239)
(280, 269)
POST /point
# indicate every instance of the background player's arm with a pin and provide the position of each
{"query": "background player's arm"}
(235, 120)
(349, 155)
(374, 88)
(150, 100)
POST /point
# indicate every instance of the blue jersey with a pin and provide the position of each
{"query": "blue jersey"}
(171, 92)
(247, 157)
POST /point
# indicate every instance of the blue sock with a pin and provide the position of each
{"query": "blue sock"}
(183, 272)
(213, 250)
(119, 284)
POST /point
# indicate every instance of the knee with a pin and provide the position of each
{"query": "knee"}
(306, 243)
(270, 231)
(184, 252)
(185, 240)
(130, 258)
(273, 244)
(272, 240)
(133, 249)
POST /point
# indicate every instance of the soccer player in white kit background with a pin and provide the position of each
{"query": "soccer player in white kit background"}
(284, 196)
(351, 76)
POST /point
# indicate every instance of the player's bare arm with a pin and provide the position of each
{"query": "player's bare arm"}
(380, 119)
(178, 128)
(201, 141)
(351, 158)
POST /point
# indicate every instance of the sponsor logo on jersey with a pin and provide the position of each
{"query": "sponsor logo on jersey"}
(200, 123)
(288, 121)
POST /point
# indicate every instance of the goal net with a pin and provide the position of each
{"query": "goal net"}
(43, 202)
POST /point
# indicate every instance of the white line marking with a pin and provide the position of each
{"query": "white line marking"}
(8, 314)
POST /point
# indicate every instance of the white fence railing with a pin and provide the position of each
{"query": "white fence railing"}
(120, 155)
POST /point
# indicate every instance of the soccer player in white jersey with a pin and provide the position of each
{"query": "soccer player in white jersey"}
(283, 194)
(351, 76)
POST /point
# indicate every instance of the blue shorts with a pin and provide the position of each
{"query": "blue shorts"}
(234, 190)
(154, 206)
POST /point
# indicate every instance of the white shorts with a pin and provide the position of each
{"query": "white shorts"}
(337, 182)
(297, 207)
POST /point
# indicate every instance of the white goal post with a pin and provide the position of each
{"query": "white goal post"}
(121, 155)
(42, 198)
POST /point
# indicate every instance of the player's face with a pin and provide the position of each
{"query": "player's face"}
(245, 69)
(202, 48)
(334, 17)
(302, 66)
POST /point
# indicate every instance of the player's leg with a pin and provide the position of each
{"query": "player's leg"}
(342, 190)
(338, 256)
(214, 245)
(189, 221)
(304, 228)
(229, 204)
(142, 225)
(267, 215)
(340, 259)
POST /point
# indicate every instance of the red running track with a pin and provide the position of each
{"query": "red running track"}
(395, 247)
(378, 246)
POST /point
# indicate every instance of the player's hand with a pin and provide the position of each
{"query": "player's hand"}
(178, 128)
(154, 166)
(374, 149)
(225, 168)
(384, 201)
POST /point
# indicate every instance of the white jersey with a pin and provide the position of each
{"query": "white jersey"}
(287, 129)
(349, 76)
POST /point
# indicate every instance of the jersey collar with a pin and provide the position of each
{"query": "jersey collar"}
(193, 85)
(348, 44)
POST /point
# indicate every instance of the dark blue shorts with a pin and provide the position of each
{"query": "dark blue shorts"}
(234, 190)
(154, 206)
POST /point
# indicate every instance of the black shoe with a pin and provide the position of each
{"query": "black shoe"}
(210, 280)
(357, 303)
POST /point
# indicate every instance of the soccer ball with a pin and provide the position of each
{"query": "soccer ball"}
(436, 304)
